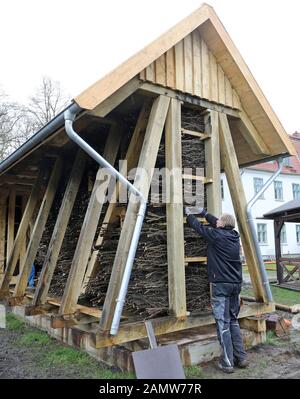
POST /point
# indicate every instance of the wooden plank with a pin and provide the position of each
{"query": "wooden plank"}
(195, 259)
(174, 208)
(59, 230)
(38, 228)
(160, 70)
(228, 93)
(212, 165)
(151, 89)
(21, 234)
(213, 78)
(116, 98)
(146, 164)
(150, 72)
(170, 68)
(10, 222)
(202, 136)
(221, 85)
(188, 64)
(179, 65)
(204, 179)
(3, 215)
(133, 331)
(131, 157)
(205, 70)
(231, 167)
(23, 243)
(197, 64)
(236, 100)
(89, 226)
(251, 135)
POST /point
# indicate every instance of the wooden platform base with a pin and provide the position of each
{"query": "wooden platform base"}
(197, 344)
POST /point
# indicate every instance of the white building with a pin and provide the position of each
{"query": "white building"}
(285, 188)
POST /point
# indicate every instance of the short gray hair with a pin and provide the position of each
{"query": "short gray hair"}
(228, 220)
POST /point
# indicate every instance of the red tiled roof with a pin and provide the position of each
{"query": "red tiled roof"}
(294, 167)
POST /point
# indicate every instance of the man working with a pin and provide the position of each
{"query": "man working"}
(225, 273)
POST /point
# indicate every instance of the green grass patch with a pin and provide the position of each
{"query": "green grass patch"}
(34, 339)
(13, 323)
(193, 372)
(280, 295)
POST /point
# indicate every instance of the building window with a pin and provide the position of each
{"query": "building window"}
(222, 189)
(283, 239)
(262, 233)
(287, 161)
(258, 182)
(298, 233)
(278, 191)
(296, 191)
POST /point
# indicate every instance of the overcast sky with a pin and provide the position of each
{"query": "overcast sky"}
(77, 42)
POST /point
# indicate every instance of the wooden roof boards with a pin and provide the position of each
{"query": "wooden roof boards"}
(198, 57)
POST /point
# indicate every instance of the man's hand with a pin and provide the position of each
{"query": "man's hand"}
(187, 211)
(201, 211)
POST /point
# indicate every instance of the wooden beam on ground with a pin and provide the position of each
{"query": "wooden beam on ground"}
(235, 184)
(3, 217)
(60, 228)
(187, 98)
(212, 164)
(89, 227)
(146, 165)
(21, 234)
(11, 211)
(129, 332)
(251, 135)
(38, 228)
(131, 157)
(174, 208)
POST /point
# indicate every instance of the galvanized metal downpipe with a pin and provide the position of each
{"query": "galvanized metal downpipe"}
(70, 116)
(250, 219)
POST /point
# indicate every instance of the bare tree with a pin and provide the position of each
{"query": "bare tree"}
(47, 101)
(13, 125)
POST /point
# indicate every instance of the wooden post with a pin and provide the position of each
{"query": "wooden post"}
(10, 223)
(131, 157)
(23, 244)
(59, 230)
(38, 228)
(232, 171)
(175, 234)
(146, 164)
(277, 230)
(212, 165)
(21, 234)
(3, 208)
(89, 227)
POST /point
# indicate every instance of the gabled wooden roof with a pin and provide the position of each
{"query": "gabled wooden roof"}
(245, 88)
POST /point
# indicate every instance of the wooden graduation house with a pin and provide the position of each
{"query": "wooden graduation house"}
(138, 112)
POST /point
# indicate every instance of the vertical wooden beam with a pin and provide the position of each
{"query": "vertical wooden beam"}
(277, 230)
(60, 228)
(175, 234)
(132, 156)
(232, 171)
(10, 223)
(3, 209)
(38, 228)
(89, 227)
(212, 164)
(23, 244)
(146, 164)
(21, 234)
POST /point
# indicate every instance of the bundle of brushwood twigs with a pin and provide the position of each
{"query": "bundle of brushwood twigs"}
(147, 295)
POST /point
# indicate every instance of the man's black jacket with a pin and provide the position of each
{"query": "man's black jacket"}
(223, 250)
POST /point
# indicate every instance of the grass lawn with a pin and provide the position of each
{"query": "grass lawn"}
(280, 295)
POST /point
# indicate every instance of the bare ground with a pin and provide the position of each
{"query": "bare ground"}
(42, 357)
